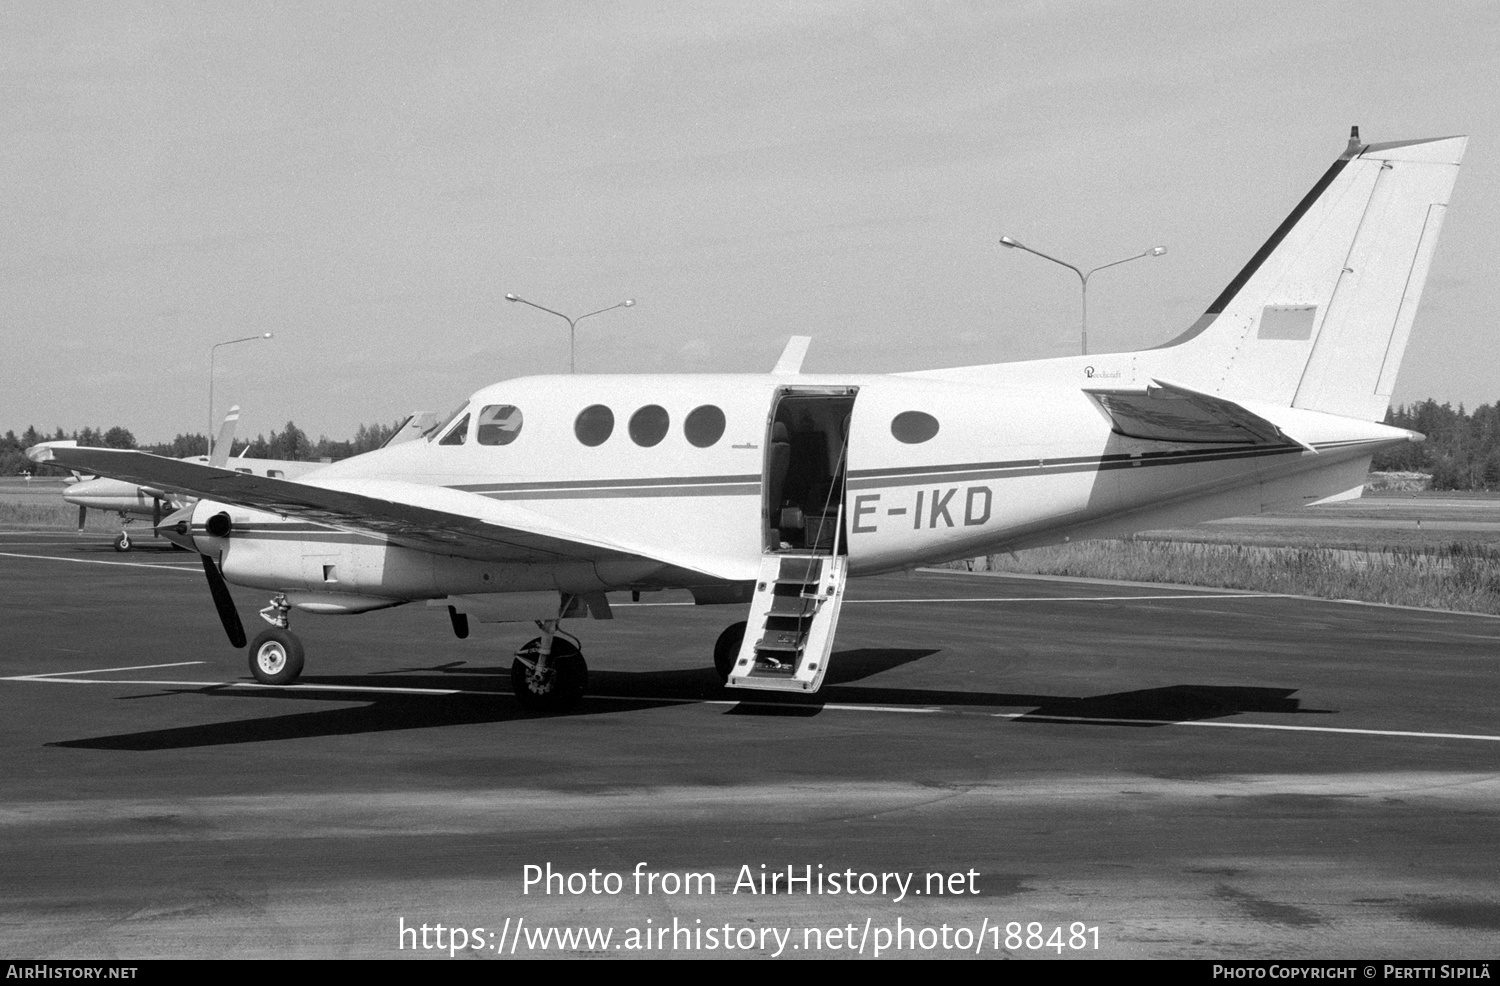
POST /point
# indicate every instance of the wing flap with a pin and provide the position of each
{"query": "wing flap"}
(1168, 412)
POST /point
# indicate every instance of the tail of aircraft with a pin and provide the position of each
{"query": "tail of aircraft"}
(1319, 317)
(219, 455)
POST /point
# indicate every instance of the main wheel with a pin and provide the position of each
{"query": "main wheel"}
(727, 648)
(559, 686)
(276, 657)
(122, 541)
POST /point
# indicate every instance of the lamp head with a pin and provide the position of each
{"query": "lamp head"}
(1157, 251)
(627, 303)
(511, 297)
(1006, 241)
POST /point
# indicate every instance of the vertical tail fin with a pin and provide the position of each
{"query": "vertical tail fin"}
(1320, 316)
(226, 438)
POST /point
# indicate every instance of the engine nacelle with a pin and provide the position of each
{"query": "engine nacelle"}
(348, 571)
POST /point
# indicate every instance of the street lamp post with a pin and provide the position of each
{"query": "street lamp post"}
(213, 351)
(1083, 278)
(572, 322)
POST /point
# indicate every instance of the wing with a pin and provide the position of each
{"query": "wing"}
(1168, 412)
(428, 518)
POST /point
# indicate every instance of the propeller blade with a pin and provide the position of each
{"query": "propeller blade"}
(228, 615)
(83, 511)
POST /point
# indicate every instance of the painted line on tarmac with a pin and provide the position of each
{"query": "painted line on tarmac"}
(1081, 580)
(1068, 599)
(378, 689)
(133, 667)
(61, 678)
(55, 679)
(1033, 599)
(97, 561)
(54, 544)
(1409, 734)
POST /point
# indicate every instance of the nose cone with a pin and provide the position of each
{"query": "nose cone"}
(178, 528)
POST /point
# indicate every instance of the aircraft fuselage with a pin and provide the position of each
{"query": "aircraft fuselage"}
(933, 470)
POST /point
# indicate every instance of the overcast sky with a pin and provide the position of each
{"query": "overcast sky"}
(368, 180)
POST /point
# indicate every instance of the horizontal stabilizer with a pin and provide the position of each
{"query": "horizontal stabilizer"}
(1167, 412)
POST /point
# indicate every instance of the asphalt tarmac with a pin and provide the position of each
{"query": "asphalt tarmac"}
(996, 767)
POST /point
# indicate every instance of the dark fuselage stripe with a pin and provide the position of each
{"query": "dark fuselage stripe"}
(746, 485)
(705, 481)
(858, 480)
(724, 489)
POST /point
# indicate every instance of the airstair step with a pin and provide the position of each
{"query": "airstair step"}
(800, 570)
(793, 606)
(789, 641)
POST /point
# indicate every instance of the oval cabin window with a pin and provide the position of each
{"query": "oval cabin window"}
(594, 425)
(913, 427)
(648, 426)
(704, 426)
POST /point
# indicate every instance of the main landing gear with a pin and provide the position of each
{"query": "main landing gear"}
(727, 648)
(549, 673)
(276, 655)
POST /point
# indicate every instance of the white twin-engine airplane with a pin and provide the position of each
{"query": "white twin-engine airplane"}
(542, 494)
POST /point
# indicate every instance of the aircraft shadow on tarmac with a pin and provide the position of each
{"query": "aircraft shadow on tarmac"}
(483, 696)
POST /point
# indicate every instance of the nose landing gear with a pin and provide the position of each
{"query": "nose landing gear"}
(276, 654)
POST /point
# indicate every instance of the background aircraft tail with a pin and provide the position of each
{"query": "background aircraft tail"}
(1320, 316)
(219, 455)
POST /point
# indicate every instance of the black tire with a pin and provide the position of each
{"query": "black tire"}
(559, 687)
(122, 541)
(727, 648)
(276, 657)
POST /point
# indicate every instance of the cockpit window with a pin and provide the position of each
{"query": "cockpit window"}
(499, 424)
(457, 433)
(436, 425)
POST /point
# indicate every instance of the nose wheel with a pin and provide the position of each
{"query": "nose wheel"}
(276, 657)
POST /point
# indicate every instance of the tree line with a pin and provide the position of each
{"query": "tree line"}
(1462, 450)
(290, 442)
